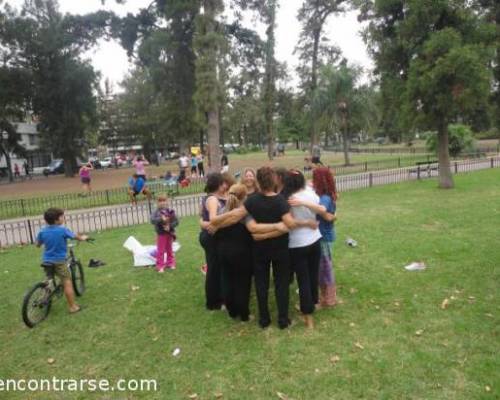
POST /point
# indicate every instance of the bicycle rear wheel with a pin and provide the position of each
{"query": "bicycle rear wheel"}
(36, 304)
(77, 277)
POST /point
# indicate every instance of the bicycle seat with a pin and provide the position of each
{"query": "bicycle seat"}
(47, 265)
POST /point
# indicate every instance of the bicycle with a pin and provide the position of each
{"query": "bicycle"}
(38, 300)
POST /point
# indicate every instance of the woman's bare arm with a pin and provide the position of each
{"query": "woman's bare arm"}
(229, 218)
(293, 223)
(255, 228)
(269, 235)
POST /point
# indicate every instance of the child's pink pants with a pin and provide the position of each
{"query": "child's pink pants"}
(164, 245)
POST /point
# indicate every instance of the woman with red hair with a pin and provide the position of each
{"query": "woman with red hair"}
(324, 186)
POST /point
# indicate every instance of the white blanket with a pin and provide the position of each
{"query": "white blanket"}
(144, 255)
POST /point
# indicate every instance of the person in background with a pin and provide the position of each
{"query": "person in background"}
(165, 222)
(27, 169)
(316, 155)
(137, 186)
(194, 166)
(85, 177)
(184, 163)
(53, 238)
(17, 173)
(224, 161)
(139, 164)
(170, 179)
(201, 169)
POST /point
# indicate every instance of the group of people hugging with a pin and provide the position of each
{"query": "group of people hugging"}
(272, 220)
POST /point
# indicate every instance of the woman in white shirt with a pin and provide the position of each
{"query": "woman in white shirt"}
(304, 243)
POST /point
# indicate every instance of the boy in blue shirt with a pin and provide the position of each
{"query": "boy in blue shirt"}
(53, 237)
(136, 186)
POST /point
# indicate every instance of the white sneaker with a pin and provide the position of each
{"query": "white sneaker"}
(415, 266)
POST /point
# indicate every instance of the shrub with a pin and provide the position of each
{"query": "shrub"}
(461, 140)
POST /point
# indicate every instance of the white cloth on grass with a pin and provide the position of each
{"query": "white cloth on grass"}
(144, 255)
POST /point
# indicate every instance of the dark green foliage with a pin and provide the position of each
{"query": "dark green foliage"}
(460, 137)
(434, 61)
(61, 86)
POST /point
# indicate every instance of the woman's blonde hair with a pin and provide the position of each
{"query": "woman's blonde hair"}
(236, 195)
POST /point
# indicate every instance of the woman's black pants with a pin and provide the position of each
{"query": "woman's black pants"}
(305, 264)
(280, 262)
(213, 279)
(236, 265)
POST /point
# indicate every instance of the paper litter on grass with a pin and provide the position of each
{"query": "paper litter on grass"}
(144, 255)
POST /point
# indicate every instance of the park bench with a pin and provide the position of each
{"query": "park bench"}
(425, 166)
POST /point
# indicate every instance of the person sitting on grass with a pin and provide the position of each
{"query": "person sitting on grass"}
(137, 186)
(170, 179)
(53, 237)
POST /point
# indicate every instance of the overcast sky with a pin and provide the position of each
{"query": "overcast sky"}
(111, 59)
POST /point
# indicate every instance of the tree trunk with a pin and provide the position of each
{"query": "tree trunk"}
(221, 129)
(314, 84)
(69, 166)
(8, 162)
(445, 176)
(214, 155)
(497, 69)
(270, 78)
(202, 141)
(345, 141)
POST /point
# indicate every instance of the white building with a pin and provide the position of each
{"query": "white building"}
(30, 140)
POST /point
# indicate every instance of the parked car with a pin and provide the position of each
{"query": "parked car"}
(171, 155)
(109, 162)
(55, 167)
(96, 164)
(106, 162)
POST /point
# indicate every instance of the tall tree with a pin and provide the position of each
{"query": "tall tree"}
(209, 46)
(270, 77)
(340, 100)
(50, 46)
(392, 56)
(15, 94)
(312, 45)
(441, 55)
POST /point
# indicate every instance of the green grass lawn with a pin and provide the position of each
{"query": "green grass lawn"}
(127, 333)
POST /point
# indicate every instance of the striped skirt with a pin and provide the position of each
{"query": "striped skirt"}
(326, 272)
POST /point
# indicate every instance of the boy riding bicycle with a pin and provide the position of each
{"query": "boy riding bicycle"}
(53, 237)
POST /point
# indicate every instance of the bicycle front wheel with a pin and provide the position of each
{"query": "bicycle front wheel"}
(36, 304)
(77, 277)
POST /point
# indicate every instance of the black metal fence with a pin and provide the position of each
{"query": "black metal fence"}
(100, 198)
(406, 150)
(24, 231)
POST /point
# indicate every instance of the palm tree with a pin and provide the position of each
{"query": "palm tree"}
(339, 102)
